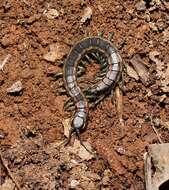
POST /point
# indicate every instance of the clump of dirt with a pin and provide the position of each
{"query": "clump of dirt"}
(31, 119)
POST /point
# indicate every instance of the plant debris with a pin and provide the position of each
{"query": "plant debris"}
(140, 68)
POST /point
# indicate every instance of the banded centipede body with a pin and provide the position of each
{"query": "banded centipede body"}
(108, 83)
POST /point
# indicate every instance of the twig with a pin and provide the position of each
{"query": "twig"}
(9, 172)
(156, 132)
(5, 61)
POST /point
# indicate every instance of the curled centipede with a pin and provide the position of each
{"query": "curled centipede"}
(106, 85)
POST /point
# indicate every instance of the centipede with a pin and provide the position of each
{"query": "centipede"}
(107, 84)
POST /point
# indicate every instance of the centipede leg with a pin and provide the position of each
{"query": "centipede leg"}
(98, 100)
(101, 34)
(56, 76)
(62, 91)
(88, 59)
(69, 103)
(81, 71)
(101, 75)
(111, 35)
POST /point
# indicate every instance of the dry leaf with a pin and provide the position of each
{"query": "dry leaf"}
(81, 151)
(161, 72)
(132, 73)
(87, 15)
(140, 68)
(56, 52)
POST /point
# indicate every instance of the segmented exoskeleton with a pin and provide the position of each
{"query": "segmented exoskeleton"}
(106, 85)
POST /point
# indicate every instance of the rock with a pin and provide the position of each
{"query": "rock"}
(74, 183)
(52, 14)
(2, 134)
(166, 35)
(132, 73)
(56, 52)
(153, 27)
(27, 74)
(152, 56)
(120, 150)
(92, 176)
(86, 15)
(9, 39)
(15, 88)
(33, 18)
(106, 177)
(141, 5)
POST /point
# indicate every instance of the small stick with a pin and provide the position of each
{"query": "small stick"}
(9, 172)
(5, 61)
(156, 132)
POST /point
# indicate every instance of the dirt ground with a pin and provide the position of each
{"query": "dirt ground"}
(37, 36)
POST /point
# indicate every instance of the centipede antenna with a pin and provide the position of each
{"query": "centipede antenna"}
(81, 142)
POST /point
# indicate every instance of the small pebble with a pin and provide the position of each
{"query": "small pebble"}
(15, 88)
(141, 6)
(74, 183)
(2, 134)
(52, 14)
